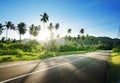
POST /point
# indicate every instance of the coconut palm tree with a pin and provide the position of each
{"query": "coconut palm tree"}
(34, 30)
(1, 28)
(57, 27)
(44, 18)
(21, 29)
(9, 25)
(50, 27)
(82, 31)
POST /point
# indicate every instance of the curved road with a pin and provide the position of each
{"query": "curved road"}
(76, 68)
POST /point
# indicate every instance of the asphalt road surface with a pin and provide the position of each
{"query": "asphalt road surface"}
(76, 68)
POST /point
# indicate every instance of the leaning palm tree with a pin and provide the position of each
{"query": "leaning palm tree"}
(21, 29)
(44, 18)
(9, 25)
(56, 28)
(34, 30)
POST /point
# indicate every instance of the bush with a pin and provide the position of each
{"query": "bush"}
(69, 47)
(116, 49)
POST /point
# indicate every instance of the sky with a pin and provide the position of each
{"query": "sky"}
(97, 17)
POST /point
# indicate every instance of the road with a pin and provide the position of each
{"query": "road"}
(76, 68)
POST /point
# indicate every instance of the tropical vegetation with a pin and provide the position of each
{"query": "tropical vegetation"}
(14, 50)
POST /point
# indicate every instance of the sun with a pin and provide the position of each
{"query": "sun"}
(44, 35)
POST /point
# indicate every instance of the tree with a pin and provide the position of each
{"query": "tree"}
(1, 28)
(34, 30)
(82, 31)
(50, 27)
(56, 28)
(21, 29)
(44, 18)
(9, 25)
(69, 30)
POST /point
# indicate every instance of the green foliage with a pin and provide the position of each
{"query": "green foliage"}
(114, 68)
(116, 49)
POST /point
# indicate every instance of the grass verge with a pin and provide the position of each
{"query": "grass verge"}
(34, 56)
(114, 68)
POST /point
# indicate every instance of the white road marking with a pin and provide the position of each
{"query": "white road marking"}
(41, 70)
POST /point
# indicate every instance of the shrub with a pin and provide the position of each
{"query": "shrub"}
(116, 49)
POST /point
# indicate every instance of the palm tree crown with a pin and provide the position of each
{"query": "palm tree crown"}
(82, 31)
(44, 18)
(34, 30)
(57, 26)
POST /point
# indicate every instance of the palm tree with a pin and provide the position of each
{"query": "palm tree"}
(56, 28)
(50, 27)
(82, 31)
(21, 29)
(9, 25)
(34, 30)
(44, 18)
(1, 28)
(69, 30)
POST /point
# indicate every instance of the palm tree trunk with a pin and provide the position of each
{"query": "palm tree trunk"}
(6, 34)
(20, 37)
(44, 26)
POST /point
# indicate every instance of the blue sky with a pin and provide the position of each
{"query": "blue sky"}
(97, 17)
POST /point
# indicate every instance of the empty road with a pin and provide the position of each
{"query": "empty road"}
(75, 68)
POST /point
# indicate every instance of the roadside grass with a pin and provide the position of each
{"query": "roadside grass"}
(24, 56)
(114, 68)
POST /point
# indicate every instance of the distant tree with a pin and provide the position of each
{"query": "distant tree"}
(9, 25)
(78, 37)
(57, 25)
(66, 37)
(44, 18)
(21, 29)
(34, 30)
(3, 39)
(50, 27)
(69, 30)
(82, 31)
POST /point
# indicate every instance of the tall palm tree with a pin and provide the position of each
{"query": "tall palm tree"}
(44, 19)
(21, 29)
(57, 25)
(1, 28)
(9, 25)
(34, 30)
